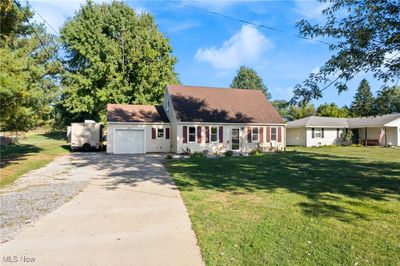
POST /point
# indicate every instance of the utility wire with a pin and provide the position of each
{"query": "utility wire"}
(45, 21)
(34, 31)
(253, 23)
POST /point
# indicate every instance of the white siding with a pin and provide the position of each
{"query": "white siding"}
(152, 145)
(330, 137)
(245, 146)
(392, 137)
(296, 136)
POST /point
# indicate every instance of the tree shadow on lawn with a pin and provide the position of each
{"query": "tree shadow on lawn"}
(12, 153)
(316, 176)
(57, 135)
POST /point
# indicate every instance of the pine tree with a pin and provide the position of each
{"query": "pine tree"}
(28, 70)
(362, 104)
(387, 101)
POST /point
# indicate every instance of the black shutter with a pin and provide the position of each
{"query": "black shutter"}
(322, 133)
(313, 133)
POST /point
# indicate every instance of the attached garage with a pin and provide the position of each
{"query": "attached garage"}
(129, 141)
(137, 129)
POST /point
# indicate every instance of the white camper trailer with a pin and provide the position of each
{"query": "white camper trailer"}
(85, 136)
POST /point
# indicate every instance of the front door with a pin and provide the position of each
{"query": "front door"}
(235, 139)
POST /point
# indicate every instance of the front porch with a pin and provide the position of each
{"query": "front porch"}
(375, 136)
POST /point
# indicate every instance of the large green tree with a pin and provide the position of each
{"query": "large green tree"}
(297, 112)
(332, 110)
(247, 78)
(364, 36)
(387, 101)
(113, 55)
(282, 107)
(363, 100)
(28, 70)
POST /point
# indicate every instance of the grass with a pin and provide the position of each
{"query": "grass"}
(34, 151)
(307, 206)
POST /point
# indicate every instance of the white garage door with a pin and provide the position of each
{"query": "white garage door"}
(129, 141)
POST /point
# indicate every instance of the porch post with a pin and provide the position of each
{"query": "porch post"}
(385, 137)
(365, 137)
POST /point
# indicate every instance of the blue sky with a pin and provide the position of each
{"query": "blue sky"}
(211, 48)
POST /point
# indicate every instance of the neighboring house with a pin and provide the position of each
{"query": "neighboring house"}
(196, 119)
(316, 131)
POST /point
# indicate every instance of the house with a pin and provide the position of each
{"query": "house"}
(316, 131)
(196, 119)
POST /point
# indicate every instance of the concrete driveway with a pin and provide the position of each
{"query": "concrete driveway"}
(131, 213)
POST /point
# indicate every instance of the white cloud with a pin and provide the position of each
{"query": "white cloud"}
(246, 46)
(177, 27)
(310, 9)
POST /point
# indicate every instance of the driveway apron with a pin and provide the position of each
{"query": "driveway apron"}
(131, 213)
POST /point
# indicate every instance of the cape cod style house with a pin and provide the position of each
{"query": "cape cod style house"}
(196, 119)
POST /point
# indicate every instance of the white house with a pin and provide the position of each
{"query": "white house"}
(316, 131)
(196, 119)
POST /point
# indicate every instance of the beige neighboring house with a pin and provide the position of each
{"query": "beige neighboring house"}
(312, 131)
(196, 119)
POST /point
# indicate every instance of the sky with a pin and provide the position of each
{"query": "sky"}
(210, 48)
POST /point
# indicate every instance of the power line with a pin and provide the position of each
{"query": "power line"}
(253, 23)
(34, 31)
(45, 21)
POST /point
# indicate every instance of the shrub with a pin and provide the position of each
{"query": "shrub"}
(356, 145)
(198, 154)
(255, 152)
(228, 153)
(168, 157)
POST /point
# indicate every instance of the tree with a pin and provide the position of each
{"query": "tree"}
(28, 72)
(363, 100)
(332, 110)
(114, 55)
(303, 111)
(387, 101)
(247, 78)
(366, 35)
(282, 107)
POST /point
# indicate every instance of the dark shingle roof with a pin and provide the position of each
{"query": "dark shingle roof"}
(135, 113)
(223, 105)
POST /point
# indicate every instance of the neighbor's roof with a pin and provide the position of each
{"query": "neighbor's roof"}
(223, 105)
(372, 121)
(135, 113)
(318, 121)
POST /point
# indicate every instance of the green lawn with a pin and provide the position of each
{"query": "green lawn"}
(36, 150)
(307, 206)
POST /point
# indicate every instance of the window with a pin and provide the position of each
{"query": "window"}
(273, 134)
(192, 134)
(318, 133)
(214, 134)
(255, 136)
(160, 133)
